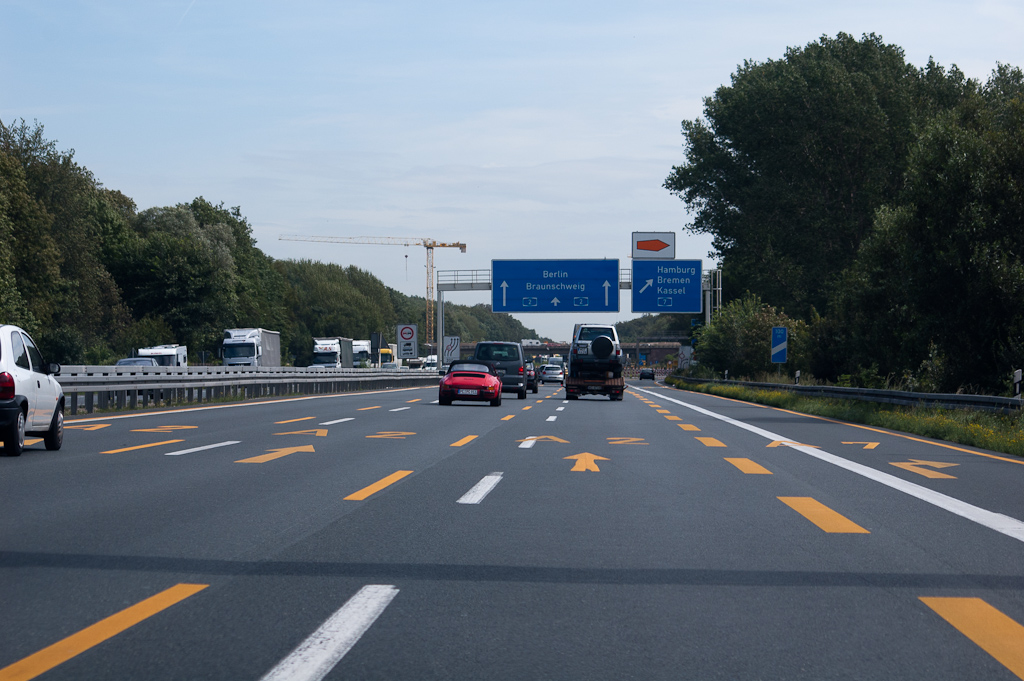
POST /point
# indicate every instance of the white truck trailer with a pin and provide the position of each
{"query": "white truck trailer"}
(251, 347)
(167, 355)
(361, 352)
(332, 353)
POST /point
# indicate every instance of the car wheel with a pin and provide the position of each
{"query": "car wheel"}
(496, 402)
(535, 389)
(572, 396)
(54, 437)
(14, 440)
(522, 394)
(444, 401)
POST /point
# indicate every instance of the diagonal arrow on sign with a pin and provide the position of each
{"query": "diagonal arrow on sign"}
(585, 462)
(276, 454)
(650, 283)
(915, 466)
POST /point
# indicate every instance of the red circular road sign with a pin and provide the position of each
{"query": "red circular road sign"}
(406, 332)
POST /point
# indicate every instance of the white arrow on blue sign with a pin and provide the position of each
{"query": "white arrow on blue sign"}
(779, 342)
(667, 286)
(555, 285)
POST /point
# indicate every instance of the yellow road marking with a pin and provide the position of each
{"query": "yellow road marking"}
(688, 426)
(916, 466)
(163, 429)
(823, 516)
(391, 434)
(276, 454)
(319, 432)
(541, 438)
(76, 644)
(654, 406)
(508, 418)
(33, 441)
(673, 418)
(540, 401)
(464, 441)
(664, 411)
(91, 426)
(411, 401)
(626, 441)
(304, 418)
(152, 444)
(867, 445)
(710, 442)
(529, 407)
(788, 443)
(377, 486)
(368, 408)
(585, 462)
(994, 632)
(749, 467)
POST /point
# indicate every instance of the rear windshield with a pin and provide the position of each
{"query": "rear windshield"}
(498, 353)
(589, 333)
(478, 368)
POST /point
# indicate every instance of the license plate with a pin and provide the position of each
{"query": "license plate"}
(501, 372)
(468, 391)
(583, 350)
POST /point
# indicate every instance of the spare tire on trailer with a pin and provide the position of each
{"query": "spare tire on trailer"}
(601, 347)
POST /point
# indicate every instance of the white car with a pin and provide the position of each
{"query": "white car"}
(551, 372)
(31, 399)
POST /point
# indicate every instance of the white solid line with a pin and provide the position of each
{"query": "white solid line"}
(559, 408)
(528, 442)
(552, 418)
(199, 449)
(331, 423)
(480, 489)
(400, 409)
(1004, 524)
(317, 655)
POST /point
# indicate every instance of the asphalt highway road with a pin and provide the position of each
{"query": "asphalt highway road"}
(381, 536)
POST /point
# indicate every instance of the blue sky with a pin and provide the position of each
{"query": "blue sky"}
(526, 130)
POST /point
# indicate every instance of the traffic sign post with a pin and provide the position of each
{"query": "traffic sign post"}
(408, 341)
(667, 286)
(555, 285)
(779, 342)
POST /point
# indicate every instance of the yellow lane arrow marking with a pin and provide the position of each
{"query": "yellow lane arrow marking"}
(585, 462)
(914, 466)
(152, 444)
(276, 454)
(540, 438)
(391, 435)
(867, 445)
(163, 429)
(304, 418)
(319, 432)
(626, 441)
(788, 443)
(83, 426)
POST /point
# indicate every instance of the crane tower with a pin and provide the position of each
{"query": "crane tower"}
(429, 244)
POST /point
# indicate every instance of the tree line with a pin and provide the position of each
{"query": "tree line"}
(94, 278)
(875, 207)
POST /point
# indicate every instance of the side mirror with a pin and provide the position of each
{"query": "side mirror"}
(53, 369)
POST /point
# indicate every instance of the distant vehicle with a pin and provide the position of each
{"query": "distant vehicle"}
(595, 362)
(332, 353)
(551, 373)
(167, 355)
(31, 399)
(389, 366)
(470, 380)
(430, 362)
(137, 362)
(646, 372)
(508, 362)
(251, 347)
(361, 350)
(531, 378)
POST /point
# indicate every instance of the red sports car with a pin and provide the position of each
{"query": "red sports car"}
(470, 381)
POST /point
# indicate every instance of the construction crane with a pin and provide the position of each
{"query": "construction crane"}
(429, 244)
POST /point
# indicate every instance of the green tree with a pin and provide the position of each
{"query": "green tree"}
(739, 339)
(793, 158)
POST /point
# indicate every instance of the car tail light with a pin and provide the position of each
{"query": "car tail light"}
(6, 386)
(520, 369)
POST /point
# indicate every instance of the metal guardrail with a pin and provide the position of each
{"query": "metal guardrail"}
(1002, 405)
(90, 388)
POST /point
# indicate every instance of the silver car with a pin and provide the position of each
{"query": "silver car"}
(551, 373)
(31, 399)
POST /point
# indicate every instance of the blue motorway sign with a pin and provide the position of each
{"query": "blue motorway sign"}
(779, 342)
(667, 286)
(555, 285)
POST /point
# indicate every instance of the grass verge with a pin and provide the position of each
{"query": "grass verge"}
(984, 430)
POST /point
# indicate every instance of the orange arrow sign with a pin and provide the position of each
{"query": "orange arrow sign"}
(585, 461)
(651, 245)
(914, 466)
(276, 454)
(788, 443)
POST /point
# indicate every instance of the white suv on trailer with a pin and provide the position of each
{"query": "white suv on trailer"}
(31, 399)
